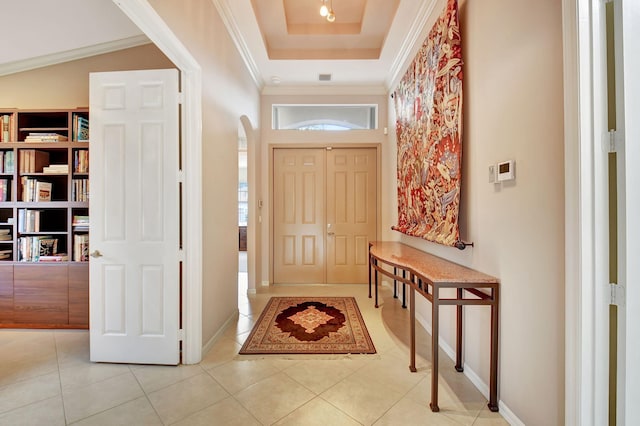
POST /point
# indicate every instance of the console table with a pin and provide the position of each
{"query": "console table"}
(428, 274)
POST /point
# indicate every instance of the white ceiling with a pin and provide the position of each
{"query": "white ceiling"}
(274, 29)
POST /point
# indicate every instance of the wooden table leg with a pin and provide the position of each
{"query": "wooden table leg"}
(459, 366)
(493, 373)
(412, 328)
(435, 314)
(395, 283)
(370, 259)
(404, 290)
(375, 274)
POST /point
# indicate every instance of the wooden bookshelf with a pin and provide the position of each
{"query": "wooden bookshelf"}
(44, 185)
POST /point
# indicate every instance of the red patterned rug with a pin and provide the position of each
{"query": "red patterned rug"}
(305, 325)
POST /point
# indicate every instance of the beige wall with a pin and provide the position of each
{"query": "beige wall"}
(513, 109)
(66, 85)
(228, 93)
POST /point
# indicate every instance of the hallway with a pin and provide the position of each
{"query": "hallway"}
(46, 378)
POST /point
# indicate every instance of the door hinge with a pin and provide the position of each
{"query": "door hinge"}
(613, 146)
(328, 148)
(180, 255)
(180, 176)
(181, 335)
(616, 294)
(180, 97)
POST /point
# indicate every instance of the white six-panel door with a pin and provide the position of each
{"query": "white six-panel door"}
(134, 210)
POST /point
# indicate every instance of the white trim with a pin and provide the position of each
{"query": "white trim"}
(145, 17)
(234, 32)
(409, 43)
(630, 26)
(586, 221)
(233, 319)
(72, 55)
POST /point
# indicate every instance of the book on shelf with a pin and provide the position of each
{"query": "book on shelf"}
(6, 162)
(5, 254)
(6, 127)
(81, 247)
(34, 190)
(80, 190)
(33, 160)
(80, 129)
(5, 234)
(45, 137)
(56, 169)
(81, 161)
(43, 191)
(4, 189)
(29, 220)
(60, 257)
(80, 221)
(30, 248)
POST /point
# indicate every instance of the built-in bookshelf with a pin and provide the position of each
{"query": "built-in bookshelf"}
(44, 218)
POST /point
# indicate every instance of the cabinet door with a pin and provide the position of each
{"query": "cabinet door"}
(41, 294)
(79, 294)
(6, 294)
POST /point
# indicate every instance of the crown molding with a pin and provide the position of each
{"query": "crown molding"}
(236, 35)
(409, 42)
(72, 55)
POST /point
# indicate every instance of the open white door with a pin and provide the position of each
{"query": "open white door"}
(134, 208)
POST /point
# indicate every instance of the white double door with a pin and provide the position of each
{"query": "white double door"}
(324, 214)
(135, 211)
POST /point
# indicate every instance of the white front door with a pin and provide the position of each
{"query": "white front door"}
(134, 209)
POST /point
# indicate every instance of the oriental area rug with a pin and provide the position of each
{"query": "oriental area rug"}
(309, 325)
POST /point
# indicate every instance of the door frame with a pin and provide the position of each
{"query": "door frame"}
(145, 17)
(272, 147)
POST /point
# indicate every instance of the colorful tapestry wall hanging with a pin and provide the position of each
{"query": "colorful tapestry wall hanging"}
(428, 103)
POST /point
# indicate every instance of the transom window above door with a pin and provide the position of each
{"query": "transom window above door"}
(327, 117)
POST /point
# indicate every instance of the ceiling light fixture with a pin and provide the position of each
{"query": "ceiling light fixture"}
(327, 11)
(324, 10)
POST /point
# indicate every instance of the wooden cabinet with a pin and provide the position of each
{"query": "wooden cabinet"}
(44, 211)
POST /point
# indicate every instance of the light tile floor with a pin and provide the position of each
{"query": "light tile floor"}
(46, 379)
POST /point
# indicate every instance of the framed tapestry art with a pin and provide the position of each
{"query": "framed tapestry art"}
(428, 104)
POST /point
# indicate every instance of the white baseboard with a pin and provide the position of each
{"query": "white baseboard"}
(232, 319)
(251, 291)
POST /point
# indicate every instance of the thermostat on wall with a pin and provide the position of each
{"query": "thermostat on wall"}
(506, 171)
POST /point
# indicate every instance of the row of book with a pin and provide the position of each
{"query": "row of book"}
(81, 161)
(29, 220)
(34, 190)
(7, 123)
(80, 190)
(39, 248)
(7, 163)
(80, 223)
(5, 189)
(32, 161)
(5, 234)
(80, 129)
(81, 247)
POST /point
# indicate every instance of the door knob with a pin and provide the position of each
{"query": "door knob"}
(96, 253)
(331, 233)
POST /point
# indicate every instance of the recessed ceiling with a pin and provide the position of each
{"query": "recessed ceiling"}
(283, 42)
(294, 29)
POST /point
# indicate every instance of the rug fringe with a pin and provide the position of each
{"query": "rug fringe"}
(299, 357)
